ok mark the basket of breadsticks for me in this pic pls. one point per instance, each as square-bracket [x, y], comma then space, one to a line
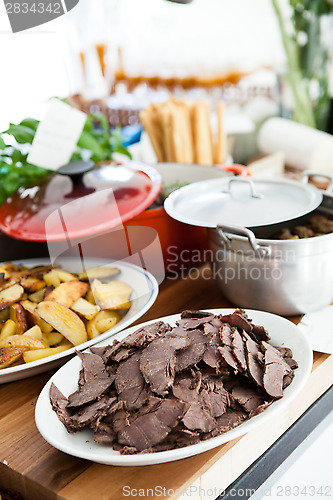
[180, 131]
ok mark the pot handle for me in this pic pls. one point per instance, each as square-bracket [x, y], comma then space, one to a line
[260, 250]
[250, 183]
[312, 173]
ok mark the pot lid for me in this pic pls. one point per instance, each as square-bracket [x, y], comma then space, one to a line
[242, 202]
[118, 192]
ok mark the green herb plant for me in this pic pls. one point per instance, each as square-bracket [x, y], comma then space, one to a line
[304, 36]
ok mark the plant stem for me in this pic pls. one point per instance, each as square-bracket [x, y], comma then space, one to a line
[303, 111]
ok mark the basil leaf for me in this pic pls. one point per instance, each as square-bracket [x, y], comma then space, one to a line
[3, 145]
[21, 134]
[87, 141]
[30, 123]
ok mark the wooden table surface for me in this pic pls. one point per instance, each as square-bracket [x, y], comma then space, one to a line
[34, 470]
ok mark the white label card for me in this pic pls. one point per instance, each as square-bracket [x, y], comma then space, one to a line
[57, 135]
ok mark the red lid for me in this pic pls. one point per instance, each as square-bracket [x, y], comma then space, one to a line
[104, 197]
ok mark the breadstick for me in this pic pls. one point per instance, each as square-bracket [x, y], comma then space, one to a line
[185, 129]
[165, 117]
[153, 129]
[221, 145]
[202, 136]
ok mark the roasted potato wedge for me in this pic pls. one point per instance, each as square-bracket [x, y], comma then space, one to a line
[37, 296]
[98, 273]
[7, 282]
[22, 341]
[65, 275]
[90, 297]
[52, 278]
[44, 353]
[112, 295]
[32, 284]
[9, 355]
[53, 338]
[8, 329]
[67, 293]
[34, 317]
[64, 321]
[4, 315]
[35, 332]
[10, 295]
[103, 321]
[85, 308]
[18, 314]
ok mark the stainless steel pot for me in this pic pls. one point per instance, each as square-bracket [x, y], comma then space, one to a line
[286, 277]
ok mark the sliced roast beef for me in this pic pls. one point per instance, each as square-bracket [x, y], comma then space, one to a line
[226, 422]
[215, 401]
[90, 392]
[162, 388]
[228, 356]
[237, 320]
[152, 428]
[130, 383]
[284, 351]
[89, 414]
[274, 372]
[104, 434]
[194, 352]
[254, 368]
[59, 404]
[191, 320]
[158, 361]
[249, 398]
[93, 366]
[238, 348]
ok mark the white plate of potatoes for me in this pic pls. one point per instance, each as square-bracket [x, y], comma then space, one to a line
[46, 313]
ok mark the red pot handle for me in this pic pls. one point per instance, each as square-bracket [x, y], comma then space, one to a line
[235, 169]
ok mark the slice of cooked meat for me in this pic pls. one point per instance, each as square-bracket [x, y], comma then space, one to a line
[89, 414]
[152, 428]
[90, 392]
[196, 314]
[238, 320]
[120, 419]
[228, 356]
[260, 408]
[92, 366]
[226, 333]
[192, 354]
[226, 422]
[141, 337]
[274, 372]
[59, 404]
[122, 354]
[247, 397]
[146, 334]
[130, 383]
[215, 401]
[104, 434]
[260, 332]
[191, 320]
[284, 351]
[254, 368]
[287, 379]
[157, 363]
[238, 348]
[292, 363]
[198, 418]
